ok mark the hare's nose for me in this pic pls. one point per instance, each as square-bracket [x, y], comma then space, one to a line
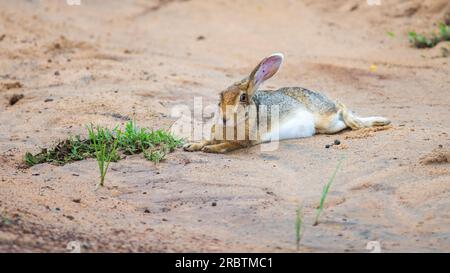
[224, 120]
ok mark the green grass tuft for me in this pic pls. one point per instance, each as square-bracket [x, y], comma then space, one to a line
[105, 146]
[156, 155]
[325, 191]
[4, 220]
[155, 144]
[422, 41]
[299, 226]
[134, 140]
[390, 34]
[69, 150]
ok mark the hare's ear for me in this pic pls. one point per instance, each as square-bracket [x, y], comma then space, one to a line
[265, 70]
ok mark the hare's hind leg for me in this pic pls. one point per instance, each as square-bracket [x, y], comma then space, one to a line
[331, 124]
[355, 122]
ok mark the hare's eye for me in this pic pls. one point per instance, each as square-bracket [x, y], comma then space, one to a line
[243, 98]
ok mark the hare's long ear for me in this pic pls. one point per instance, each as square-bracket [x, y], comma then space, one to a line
[264, 71]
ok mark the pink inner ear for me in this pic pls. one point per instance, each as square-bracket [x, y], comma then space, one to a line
[268, 68]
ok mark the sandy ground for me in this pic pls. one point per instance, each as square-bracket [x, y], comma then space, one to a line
[105, 61]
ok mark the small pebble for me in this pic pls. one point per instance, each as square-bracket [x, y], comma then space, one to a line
[15, 98]
[213, 204]
[337, 142]
[327, 146]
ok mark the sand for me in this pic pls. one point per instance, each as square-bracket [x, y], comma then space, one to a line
[107, 62]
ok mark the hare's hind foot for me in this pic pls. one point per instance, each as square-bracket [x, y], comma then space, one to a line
[207, 147]
[355, 122]
[374, 121]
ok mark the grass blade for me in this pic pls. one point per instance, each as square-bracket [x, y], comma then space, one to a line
[299, 226]
[325, 191]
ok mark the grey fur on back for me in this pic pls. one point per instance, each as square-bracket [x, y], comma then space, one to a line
[292, 98]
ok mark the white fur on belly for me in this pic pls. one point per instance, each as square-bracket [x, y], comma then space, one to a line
[300, 124]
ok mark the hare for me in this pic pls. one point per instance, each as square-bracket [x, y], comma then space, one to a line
[302, 112]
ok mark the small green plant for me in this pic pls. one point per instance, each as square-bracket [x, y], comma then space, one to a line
[325, 191]
[71, 149]
[422, 41]
[137, 140]
[105, 152]
[5, 221]
[444, 31]
[156, 155]
[390, 34]
[31, 160]
[299, 226]
[155, 144]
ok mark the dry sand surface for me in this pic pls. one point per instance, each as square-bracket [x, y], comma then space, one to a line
[107, 61]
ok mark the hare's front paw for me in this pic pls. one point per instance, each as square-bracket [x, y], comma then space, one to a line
[213, 149]
[193, 147]
[221, 148]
